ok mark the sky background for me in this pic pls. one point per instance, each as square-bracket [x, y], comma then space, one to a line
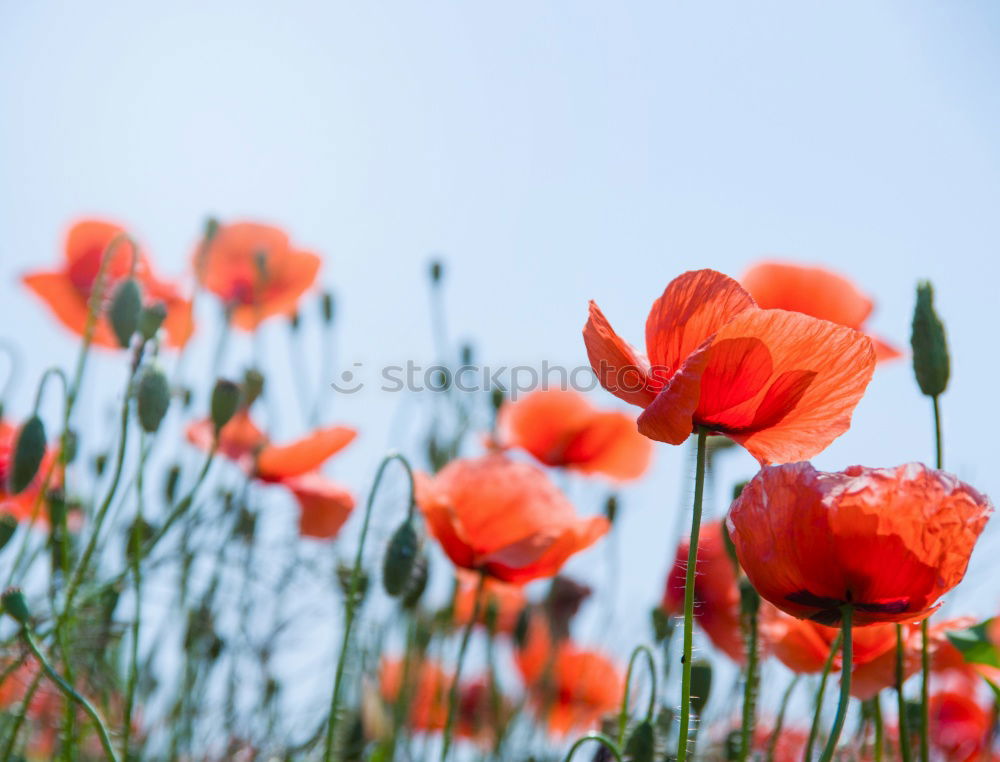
[549, 153]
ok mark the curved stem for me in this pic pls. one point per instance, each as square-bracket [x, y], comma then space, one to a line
[449, 726]
[814, 728]
[600, 738]
[352, 595]
[71, 693]
[692, 562]
[903, 720]
[651, 708]
[845, 684]
[779, 723]
[749, 689]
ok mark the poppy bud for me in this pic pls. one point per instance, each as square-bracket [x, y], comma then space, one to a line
[153, 398]
[326, 307]
[465, 354]
[225, 400]
[70, 445]
[56, 502]
[701, 684]
[662, 624]
[611, 508]
[15, 605]
[521, 627]
[253, 386]
[497, 397]
[150, 320]
[137, 534]
[8, 525]
[436, 271]
[641, 745]
[100, 463]
[418, 582]
[28, 453]
[749, 599]
[123, 312]
[399, 558]
[930, 347]
[170, 485]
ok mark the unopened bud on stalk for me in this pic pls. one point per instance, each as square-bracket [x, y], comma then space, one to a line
[521, 627]
[8, 525]
[327, 306]
[70, 445]
[225, 400]
[497, 398]
[153, 397]
[418, 582]
[253, 386]
[931, 364]
[611, 508]
[641, 745]
[150, 320]
[466, 354]
[100, 463]
[171, 482]
[123, 312]
[28, 453]
[15, 605]
[436, 271]
[701, 684]
[662, 626]
[400, 555]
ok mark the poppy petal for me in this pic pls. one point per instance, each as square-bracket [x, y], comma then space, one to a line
[68, 305]
[619, 368]
[809, 290]
[325, 505]
[276, 462]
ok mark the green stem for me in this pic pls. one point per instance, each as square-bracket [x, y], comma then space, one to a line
[352, 596]
[136, 566]
[876, 705]
[600, 738]
[845, 684]
[71, 693]
[692, 561]
[779, 723]
[651, 708]
[449, 726]
[904, 730]
[814, 728]
[925, 661]
[749, 690]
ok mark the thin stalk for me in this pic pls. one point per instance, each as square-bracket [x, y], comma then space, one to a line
[876, 705]
[624, 713]
[352, 596]
[600, 738]
[904, 729]
[136, 566]
[845, 684]
[749, 689]
[692, 561]
[814, 728]
[779, 723]
[925, 660]
[449, 726]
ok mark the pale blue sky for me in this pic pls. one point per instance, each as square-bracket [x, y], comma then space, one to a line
[553, 152]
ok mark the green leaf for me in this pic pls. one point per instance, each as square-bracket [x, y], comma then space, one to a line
[976, 646]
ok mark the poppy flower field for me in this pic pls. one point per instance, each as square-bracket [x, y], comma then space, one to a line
[151, 606]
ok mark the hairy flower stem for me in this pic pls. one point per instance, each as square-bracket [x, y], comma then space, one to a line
[749, 689]
[692, 562]
[845, 685]
[135, 563]
[351, 604]
[600, 738]
[814, 728]
[904, 729]
[925, 660]
[449, 726]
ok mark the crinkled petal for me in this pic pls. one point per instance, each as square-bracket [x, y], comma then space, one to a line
[619, 368]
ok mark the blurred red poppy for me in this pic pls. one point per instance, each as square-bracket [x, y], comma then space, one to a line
[255, 271]
[67, 290]
[561, 428]
[324, 505]
[790, 746]
[814, 291]
[890, 542]
[504, 518]
[716, 593]
[781, 384]
[959, 726]
[572, 688]
[505, 601]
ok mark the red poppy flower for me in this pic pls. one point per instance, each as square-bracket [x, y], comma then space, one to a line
[26, 505]
[504, 518]
[781, 384]
[959, 727]
[255, 271]
[561, 428]
[813, 291]
[572, 688]
[716, 592]
[888, 541]
[324, 504]
[67, 290]
[507, 601]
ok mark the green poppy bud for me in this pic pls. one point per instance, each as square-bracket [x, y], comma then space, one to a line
[100, 463]
[327, 307]
[417, 584]
[28, 453]
[8, 525]
[253, 386]
[662, 625]
[70, 445]
[497, 398]
[153, 397]
[171, 482]
[701, 684]
[400, 555]
[436, 271]
[150, 320]
[611, 508]
[123, 312]
[521, 627]
[930, 347]
[225, 401]
[641, 745]
[15, 605]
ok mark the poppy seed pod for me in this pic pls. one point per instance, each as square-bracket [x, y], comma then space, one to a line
[253, 386]
[225, 400]
[8, 525]
[641, 745]
[150, 319]
[930, 347]
[70, 444]
[400, 555]
[28, 453]
[417, 584]
[15, 605]
[153, 398]
[701, 685]
[123, 312]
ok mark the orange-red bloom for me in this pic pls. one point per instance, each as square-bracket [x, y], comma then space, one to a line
[781, 384]
[324, 505]
[561, 428]
[255, 271]
[813, 291]
[67, 290]
[959, 727]
[506, 601]
[716, 594]
[572, 688]
[504, 518]
[888, 541]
